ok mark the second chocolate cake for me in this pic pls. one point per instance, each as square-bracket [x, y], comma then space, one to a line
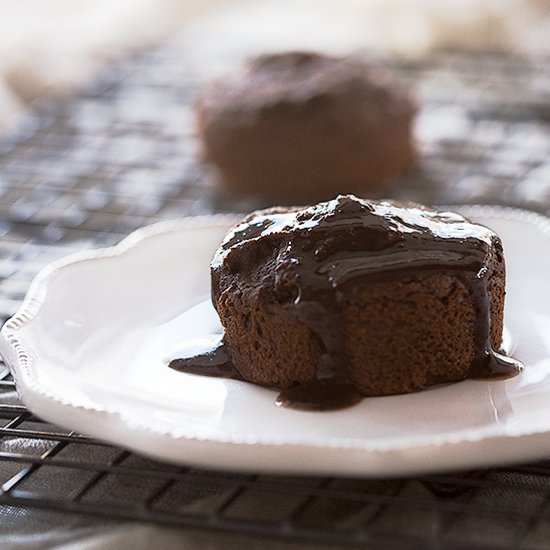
[306, 126]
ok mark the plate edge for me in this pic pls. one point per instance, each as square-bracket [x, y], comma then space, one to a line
[19, 357]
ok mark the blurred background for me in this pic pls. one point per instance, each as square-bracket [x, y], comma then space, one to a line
[53, 46]
[96, 99]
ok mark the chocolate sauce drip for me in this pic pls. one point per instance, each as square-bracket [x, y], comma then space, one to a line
[214, 361]
[496, 366]
[324, 249]
[319, 395]
[206, 358]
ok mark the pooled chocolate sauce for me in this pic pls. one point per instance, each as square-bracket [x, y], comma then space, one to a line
[324, 249]
[319, 395]
[214, 361]
[207, 357]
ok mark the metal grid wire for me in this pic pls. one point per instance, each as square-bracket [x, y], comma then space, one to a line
[86, 170]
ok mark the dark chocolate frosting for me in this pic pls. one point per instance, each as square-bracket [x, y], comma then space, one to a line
[323, 249]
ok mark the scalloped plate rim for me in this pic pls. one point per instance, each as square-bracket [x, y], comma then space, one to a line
[19, 356]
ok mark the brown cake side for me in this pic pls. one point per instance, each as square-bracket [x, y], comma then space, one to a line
[299, 125]
[401, 336]
[402, 331]
[404, 336]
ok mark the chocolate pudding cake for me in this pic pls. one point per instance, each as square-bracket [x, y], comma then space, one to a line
[301, 125]
[351, 298]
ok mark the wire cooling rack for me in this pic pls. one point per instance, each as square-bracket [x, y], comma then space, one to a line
[84, 171]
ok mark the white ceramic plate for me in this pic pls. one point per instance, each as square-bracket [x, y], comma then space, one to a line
[87, 350]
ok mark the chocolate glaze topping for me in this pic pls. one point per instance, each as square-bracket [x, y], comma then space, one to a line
[323, 249]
